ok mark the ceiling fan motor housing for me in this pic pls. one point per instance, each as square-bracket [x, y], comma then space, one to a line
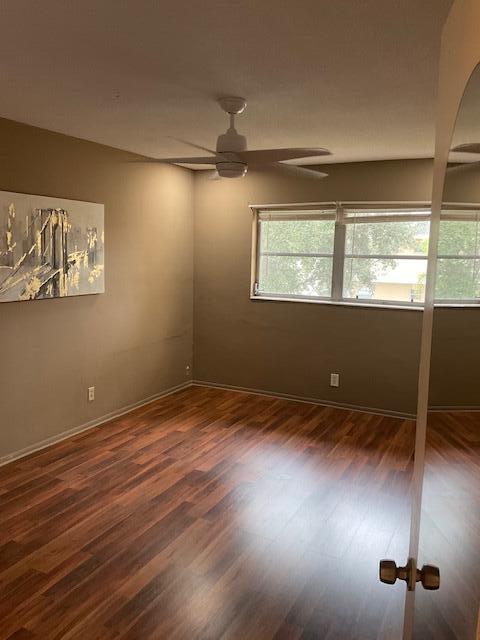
[231, 142]
[229, 164]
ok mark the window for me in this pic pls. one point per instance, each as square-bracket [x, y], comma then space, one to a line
[295, 253]
[458, 267]
[342, 252]
[385, 254]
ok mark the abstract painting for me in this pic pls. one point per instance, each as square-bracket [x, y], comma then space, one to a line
[49, 247]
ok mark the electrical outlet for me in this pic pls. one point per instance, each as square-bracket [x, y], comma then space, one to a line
[334, 379]
[188, 370]
[91, 394]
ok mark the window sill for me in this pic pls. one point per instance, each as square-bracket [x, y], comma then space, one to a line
[369, 305]
[342, 303]
[457, 305]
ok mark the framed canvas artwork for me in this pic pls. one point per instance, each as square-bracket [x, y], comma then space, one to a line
[50, 247]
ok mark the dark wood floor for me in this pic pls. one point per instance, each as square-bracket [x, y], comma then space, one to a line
[209, 514]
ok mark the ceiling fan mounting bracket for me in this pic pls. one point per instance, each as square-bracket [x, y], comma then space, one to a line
[232, 104]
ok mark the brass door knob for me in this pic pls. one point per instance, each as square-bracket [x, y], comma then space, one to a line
[428, 575]
[390, 573]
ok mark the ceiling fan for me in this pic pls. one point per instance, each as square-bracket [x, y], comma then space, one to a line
[231, 158]
[469, 147]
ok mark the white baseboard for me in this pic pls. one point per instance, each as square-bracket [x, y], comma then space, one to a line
[10, 457]
[288, 396]
[452, 408]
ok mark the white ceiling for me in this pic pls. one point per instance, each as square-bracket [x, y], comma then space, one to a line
[356, 76]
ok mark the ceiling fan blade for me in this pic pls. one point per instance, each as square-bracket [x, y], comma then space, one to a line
[192, 144]
[465, 166]
[470, 147]
[293, 170]
[206, 160]
[267, 156]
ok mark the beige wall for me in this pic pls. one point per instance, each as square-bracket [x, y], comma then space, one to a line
[131, 342]
[455, 365]
[292, 347]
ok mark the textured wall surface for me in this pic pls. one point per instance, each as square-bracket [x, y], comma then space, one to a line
[131, 342]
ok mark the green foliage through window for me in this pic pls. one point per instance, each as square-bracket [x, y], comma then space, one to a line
[301, 273]
[458, 267]
[374, 267]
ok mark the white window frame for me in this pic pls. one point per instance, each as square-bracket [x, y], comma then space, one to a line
[341, 222]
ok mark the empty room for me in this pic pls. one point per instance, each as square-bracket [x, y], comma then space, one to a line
[239, 320]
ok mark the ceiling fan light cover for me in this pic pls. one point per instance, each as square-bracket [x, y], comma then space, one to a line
[231, 169]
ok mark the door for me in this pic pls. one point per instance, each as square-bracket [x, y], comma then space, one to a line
[450, 511]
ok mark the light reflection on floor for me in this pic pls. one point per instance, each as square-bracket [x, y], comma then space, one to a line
[302, 532]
